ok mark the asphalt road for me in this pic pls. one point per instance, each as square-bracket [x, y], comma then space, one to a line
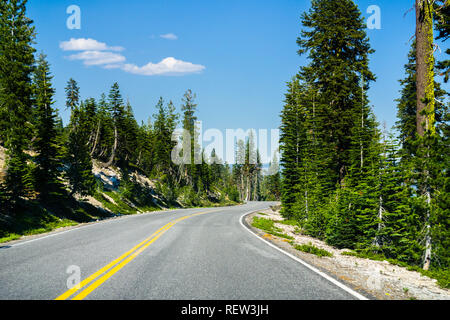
[186, 254]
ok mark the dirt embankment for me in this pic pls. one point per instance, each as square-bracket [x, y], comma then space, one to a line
[380, 279]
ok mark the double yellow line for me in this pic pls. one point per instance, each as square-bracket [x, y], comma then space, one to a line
[118, 263]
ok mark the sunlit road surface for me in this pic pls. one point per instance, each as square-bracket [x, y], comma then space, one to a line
[199, 254]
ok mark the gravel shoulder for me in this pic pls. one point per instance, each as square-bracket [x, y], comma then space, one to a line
[379, 280]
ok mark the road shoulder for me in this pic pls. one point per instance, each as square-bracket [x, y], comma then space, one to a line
[373, 279]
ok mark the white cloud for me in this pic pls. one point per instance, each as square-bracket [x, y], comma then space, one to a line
[95, 58]
[112, 66]
[169, 36]
[82, 44]
[168, 66]
[95, 53]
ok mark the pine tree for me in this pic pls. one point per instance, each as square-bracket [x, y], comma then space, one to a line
[406, 107]
[16, 67]
[92, 124]
[290, 144]
[48, 159]
[216, 168]
[399, 224]
[441, 219]
[118, 153]
[272, 181]
[145, 159]
[337, 45]
[328, 132]
[426, 116]
[238, 168]
[103, 148]
[421, 158]
[189, 124]
[72, 94]
[78, 157]
[131, 132]
[163, 128]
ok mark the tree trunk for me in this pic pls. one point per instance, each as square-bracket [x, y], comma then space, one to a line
[242, 186]
[425, 98]
[377, 240]
[362, 125]
[424, 66]
[248, 187]
[96, 139]
[306, 204]
[113, 153]
[427, 255]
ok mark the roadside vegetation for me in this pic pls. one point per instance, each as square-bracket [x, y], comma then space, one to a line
[309, 248]
[349, 181]
[268, 226]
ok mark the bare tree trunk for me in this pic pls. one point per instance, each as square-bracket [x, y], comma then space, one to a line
[425, 99]
[362, 124]
[96, 139]
[427, 255]
[377, 240]
[306, 203]
[247, 189]
[242, 187]
[114, 150]
[139, 158]
[255, 192]
[424, 66]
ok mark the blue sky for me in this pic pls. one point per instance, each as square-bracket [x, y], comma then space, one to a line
[235, 55]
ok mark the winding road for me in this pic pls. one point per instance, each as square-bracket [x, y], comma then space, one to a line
[185, 254]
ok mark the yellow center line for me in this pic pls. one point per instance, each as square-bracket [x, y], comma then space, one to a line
[131, 254]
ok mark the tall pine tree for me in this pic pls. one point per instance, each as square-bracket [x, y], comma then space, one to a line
[79, 161]
[47, 142]
[16, 67]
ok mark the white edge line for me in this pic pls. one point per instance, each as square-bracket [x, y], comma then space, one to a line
[324, 275]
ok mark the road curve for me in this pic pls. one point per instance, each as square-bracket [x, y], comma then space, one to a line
[186, 254]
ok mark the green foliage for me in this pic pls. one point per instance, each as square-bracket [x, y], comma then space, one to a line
[189, 197]
[17, 64]
[270, 184]
[268, 226]
[189, 125]
[47, 142]
[441, 275]
[78, 157]
[309, 248]
[289, 222]
[366, 254]
[342, 229]
[343, 180]
[163, 128]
